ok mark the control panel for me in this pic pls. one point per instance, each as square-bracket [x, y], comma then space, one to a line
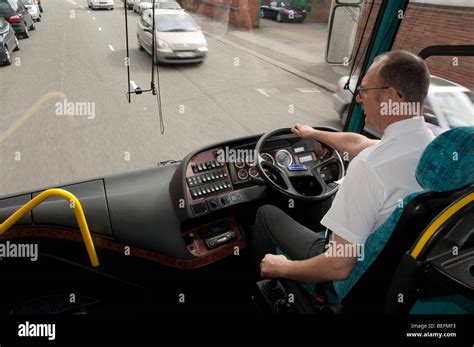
[209, 184]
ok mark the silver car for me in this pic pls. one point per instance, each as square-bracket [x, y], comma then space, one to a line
[447, 105]
[94, 4]
[178, 38]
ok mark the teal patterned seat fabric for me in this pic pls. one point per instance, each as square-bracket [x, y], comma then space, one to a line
[446, 164]
[372, 248]
[448, 161]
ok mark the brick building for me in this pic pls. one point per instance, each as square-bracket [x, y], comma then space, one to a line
[434, 22]
[244, 13]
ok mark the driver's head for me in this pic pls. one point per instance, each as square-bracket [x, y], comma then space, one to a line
[399, 77]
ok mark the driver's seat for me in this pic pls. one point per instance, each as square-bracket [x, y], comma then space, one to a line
[446, 173]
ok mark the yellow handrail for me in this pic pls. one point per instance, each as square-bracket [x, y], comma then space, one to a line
[78, 212]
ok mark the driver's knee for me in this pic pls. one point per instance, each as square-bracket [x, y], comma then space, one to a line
[266, 216]
[261, 240]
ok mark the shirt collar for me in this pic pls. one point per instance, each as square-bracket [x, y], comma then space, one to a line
[404, 126]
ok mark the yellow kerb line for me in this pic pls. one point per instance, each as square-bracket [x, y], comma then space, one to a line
[455, 207]
[78, 212]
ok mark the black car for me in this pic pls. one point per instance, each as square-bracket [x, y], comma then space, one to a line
[282, 11]
[8, 42]
[18, 16]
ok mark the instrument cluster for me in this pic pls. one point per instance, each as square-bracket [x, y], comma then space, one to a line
[246, 169]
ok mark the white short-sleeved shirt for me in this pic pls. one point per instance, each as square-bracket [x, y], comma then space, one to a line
[377, 179]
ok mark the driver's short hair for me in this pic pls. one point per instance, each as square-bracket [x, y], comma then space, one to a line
[407, 73]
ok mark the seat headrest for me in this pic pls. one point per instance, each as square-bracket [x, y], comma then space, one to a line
[448, 161]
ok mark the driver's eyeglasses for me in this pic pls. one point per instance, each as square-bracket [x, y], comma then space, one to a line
[360, 90]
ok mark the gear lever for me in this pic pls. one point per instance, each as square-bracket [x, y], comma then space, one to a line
[273, 289]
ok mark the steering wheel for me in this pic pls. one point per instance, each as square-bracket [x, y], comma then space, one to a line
[310, 170]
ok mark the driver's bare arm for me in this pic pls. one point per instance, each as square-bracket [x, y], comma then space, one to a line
[322, 268]
[352, 143]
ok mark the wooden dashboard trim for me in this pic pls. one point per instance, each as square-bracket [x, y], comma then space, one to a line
[100, 242]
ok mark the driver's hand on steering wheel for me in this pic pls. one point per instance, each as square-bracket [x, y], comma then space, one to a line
[303, 131]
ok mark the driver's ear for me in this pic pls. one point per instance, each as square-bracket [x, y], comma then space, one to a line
[394, 95]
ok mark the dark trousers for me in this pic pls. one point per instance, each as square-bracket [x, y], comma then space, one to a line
[274, 228]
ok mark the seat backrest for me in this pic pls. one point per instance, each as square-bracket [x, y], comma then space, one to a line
[445, 171]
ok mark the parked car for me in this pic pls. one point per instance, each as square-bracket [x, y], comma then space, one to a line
[18, 16]
[40, 6]
[33, 8]
[447, 105]
[8, 42]
[95, 4]
[282, 11]
[178, 38]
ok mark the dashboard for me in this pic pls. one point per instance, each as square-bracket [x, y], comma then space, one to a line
[223, 176]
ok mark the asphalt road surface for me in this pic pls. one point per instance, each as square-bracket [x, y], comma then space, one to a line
[77, 57]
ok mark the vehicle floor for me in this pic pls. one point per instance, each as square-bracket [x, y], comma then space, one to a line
[62, 281]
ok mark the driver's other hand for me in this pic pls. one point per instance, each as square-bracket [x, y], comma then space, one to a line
[303, 131]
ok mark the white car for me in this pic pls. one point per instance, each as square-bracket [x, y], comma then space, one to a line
[107, 4]
[178, 39]
[33, 8]
[447, 105]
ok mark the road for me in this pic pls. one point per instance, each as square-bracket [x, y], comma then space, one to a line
[77, 55]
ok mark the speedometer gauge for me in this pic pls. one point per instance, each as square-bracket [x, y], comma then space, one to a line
[283, 158]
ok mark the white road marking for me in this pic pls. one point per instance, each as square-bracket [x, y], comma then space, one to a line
[100, 29]
[111, 48]
[267, 91]
[88, 11]
[93, 18]
[82, 7]
[308, 90]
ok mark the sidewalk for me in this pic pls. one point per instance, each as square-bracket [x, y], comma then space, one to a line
[296, 47]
